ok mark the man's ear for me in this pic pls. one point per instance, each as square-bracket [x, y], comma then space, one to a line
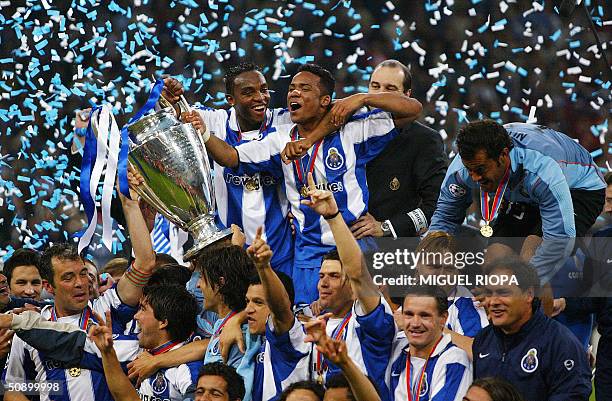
[230, 99]
[326, 101]
[163, 324]
[48, 287]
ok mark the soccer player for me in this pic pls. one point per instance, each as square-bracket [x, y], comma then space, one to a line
[552, 188]
[360, 316]
[240, 196]
[220, 382]
[337, 161]
[68, 280]
[465, 316]
[429, 365]
[23, 274]
[284, 355]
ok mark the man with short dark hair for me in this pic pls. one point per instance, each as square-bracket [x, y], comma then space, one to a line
[404, 180]
[23, 274]
[68, 280]
[538, 355]
[337, 161]
[239, 195]
[428, 365]
[219, 381]
[534, 183]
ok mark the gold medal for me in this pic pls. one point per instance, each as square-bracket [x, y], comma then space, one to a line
[320, 379]
[486, 231]
[74, 372]
[304, 191]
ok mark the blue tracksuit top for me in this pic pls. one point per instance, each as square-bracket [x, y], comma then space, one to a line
[544, 166]
[543, 360]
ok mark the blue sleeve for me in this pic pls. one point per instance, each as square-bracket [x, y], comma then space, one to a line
[283, 350]
[261, 156]
[62, 346]
[370, 133]
[469, 318]
[552, 193]
[454, 199]
[570, 375]
[121, 316]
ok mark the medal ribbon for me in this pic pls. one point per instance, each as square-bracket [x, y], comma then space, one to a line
[489, 215]
[225, 319]
[164, 347]
[298, 163]
[262, 128]
[83, 320]
[409, 374]
[337, 333]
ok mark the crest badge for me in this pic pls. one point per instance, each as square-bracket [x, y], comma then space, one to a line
[334, 160]
[74, 372]
[159, 384]
[394, 184]
[529, 362]
[424, 386]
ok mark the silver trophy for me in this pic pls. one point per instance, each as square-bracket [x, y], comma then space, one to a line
[173, 161]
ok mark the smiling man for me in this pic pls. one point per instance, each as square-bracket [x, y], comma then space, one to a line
[538, 355]
[429, 367]
[337, 161]
[240, 196]
[23, 274]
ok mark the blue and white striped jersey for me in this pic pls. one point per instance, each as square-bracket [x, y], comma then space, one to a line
[339, 166]
[26, 363]
[250, 200]
[465, 316]
[173, 384]
[544, 166]
[369, 342]
[447, 376]
[282, 360]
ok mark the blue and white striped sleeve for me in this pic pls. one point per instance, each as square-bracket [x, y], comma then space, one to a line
[369, 132]
[287, 348]
[454, 199]
[262, 156]
[452, 376]
[215, 120]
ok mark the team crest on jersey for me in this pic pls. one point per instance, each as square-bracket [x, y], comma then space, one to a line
[457, 190]
[159, 384]
[530, 362]
[424, 386]
[215, 348]
[260, 357]
[569, 364]
[334, 160]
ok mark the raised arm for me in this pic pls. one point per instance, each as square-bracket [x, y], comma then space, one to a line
[130, 289]
[276, 295]
[118, 383]
[404, 109]
[324, 204]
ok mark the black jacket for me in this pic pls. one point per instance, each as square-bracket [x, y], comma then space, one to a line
[544, 361]
[404, 180]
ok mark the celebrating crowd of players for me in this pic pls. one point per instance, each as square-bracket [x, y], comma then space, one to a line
[287, 308]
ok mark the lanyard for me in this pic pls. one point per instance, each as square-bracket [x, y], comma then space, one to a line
[337, 334]
[489, 215]
[302, 177]
[262, 127]
[164, 347]
[225, 319]
[409, 374]
[83, 320]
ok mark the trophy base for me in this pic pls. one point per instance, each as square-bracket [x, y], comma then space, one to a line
[200, 245]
